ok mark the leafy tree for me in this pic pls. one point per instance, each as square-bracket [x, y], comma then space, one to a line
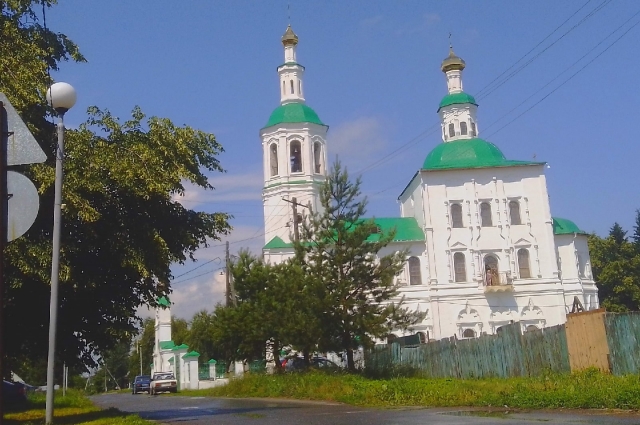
[201, 336]
[618, 235]
[179, 330]
[341, 250]
[616, 271]
[143, 345]
[122, 228]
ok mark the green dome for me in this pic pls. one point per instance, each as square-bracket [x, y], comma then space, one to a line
[456, 98]
[562, 226]
[468, 153]
[293, 112]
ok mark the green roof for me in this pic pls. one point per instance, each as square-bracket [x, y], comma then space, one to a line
[292, 113]
[212, 361]
[164, 301]
[562, 226]
[191, 354]
[455, 99]
[468, 153]
[407, 229]
[171, 360]
[277, 243]
[180, 347]
[166, 345]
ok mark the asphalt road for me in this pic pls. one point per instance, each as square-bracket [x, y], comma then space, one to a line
[200, 410]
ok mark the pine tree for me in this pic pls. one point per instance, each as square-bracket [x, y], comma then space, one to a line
[618, 235]
[636, 232]
[355, 287]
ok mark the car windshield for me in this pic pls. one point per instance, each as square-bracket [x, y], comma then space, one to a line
[163, 376]
[143, 378]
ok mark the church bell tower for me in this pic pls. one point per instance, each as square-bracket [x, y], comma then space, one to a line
[294, 151]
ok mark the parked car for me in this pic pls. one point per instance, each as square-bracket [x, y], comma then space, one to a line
[141, 383]
[296, 364]
[163, 382]
[13, 394]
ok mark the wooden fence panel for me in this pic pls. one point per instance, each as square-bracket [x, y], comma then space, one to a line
[587, 340]
[623, 338]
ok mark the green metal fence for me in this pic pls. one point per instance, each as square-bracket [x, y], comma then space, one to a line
[623, 338]
[509, 353]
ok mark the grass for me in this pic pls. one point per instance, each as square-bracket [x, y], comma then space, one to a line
[590, 389]
[75, 408]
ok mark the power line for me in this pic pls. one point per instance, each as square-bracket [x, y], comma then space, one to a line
[562, 73]
[198, 275]
[568, 79]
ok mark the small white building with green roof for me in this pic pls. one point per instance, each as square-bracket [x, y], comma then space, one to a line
[484, 249]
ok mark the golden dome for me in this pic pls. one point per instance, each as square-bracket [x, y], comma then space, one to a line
[452, 62]
[289, 38]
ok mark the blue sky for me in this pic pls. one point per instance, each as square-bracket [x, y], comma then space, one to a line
[373, 75]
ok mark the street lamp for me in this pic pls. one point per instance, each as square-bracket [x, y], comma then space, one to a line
[62, 97]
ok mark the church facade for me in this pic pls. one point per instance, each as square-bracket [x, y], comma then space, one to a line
[484, 249]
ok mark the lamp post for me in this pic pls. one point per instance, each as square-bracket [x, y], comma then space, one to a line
[62, 97]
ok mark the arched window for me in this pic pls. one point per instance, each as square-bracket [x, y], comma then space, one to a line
[463, 128]
[532, 328]
[414, 271]
[473, 129]
[581, 265]
[491, 271]
[456, 215]
[283, 88]
[424, 337]
[485, 215]
[459, 267]
[452, 130]
[317, 157]
[300, 87]
[514, 212]
[273, 160]
[499, 330]
[296, 157]
[469, 333]
[523, 263]
[291, 81]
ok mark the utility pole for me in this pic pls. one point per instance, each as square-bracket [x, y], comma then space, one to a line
[294, 206]
[140, 354]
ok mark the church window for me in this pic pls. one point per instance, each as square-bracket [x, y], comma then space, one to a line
[491, 276]
[424, 337]
[296, 157]
[317, 157]
[283, 88]
[469, 333]
[291, 81]
[473, 129]
[581, 265]
[459, 267]
[485, 215]
[452, 130]
[456, 215]
[273, 160]
[463, 128]
[514, 212]
[523, 263]
[414, 271]
[300, 87]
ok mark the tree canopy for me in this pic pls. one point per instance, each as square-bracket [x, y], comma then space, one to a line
[615, 262]
[122, 227]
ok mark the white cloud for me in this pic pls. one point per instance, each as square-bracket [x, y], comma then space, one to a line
[201, 285]
[228, 187]
[428, 20]
[370, 22]
[357, 142]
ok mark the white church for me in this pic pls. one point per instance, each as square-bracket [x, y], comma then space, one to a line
[484, 249]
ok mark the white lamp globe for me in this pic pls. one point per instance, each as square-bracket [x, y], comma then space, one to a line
[61, 96]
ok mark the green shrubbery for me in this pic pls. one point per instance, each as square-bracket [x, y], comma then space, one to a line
[587, 389]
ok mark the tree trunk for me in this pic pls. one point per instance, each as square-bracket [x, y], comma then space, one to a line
[307, 357]
[275, 350]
